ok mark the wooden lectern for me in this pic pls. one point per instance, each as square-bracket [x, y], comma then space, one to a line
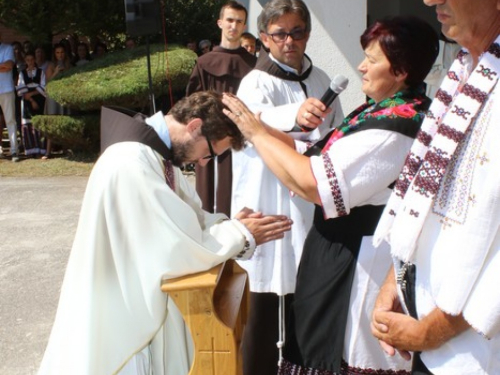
[214, 305]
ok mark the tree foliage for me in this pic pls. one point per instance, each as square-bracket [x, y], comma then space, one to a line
[104, 19]
[41, 20]
[192, 19]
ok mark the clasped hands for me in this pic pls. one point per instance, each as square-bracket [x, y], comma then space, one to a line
[264, 228]
[389, 322]
[398, 332]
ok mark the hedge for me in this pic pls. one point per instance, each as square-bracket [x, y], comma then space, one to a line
[119, 78]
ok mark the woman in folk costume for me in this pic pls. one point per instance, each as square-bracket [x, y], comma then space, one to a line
[31, 88]
[349, 177]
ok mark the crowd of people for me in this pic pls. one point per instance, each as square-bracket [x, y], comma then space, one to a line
[26, 69]
[371, 239]
[247, 40]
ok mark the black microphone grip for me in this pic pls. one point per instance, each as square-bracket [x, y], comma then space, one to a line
[328, 97]
[338, 84]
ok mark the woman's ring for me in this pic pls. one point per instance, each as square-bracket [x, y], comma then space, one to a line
[237, 113]
[304, 115]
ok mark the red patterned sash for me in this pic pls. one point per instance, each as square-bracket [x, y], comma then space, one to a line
[455, 107]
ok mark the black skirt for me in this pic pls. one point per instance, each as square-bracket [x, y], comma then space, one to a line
[317, 321]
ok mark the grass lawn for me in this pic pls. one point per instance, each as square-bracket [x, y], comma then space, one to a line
[58, 165]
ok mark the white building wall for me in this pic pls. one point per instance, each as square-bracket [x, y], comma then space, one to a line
[334, 42]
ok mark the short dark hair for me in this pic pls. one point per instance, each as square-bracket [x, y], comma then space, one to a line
[29, 53]
[233, 5]
[410, 44]
[274, 9]
[208, 106]
[247, 35]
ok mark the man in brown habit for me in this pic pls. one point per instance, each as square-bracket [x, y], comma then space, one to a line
[221, 70]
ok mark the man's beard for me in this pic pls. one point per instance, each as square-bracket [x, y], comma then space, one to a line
[180, 152]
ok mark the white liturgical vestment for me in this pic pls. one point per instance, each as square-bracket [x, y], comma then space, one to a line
[133, 230]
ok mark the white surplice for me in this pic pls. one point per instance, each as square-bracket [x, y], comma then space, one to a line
[274, 265]
[133, 229]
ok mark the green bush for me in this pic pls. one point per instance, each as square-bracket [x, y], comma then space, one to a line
[120, 79]
[78, 133]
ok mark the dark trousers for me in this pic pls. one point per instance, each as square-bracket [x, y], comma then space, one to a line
[418, 367]
[260, 353]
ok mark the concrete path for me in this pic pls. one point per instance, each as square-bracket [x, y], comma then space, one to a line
[38, 218]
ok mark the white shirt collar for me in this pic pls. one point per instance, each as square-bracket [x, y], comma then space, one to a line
[305, 65]
[157, 122]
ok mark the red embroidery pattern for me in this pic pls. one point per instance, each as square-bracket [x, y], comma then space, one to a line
[349, 370]
[430, 173]
[334, 186]
[450, 133]
[461, 54]
[486, 72]
[444, 97]
[453, 76]
[475, 93]
[288, 368]
[441, 151]
[460, 112]
[414, 213]
[424, 138]
[495, 50]
[409, 170]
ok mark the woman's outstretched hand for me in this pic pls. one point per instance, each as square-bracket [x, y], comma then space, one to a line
[248, 122]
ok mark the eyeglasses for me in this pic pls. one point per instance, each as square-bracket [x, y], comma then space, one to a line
[282, 36]
[212, 155]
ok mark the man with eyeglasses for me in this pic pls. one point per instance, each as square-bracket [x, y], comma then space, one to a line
[221, 70]
[140, 220]
[283, 85]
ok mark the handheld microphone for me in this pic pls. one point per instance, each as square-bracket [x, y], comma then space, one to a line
[338, 84]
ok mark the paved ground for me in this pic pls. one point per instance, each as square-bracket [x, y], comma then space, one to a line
[38, 218]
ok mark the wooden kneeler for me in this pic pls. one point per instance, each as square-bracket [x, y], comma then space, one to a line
[214, 305]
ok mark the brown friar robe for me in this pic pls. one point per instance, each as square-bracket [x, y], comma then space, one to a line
[220, 70]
